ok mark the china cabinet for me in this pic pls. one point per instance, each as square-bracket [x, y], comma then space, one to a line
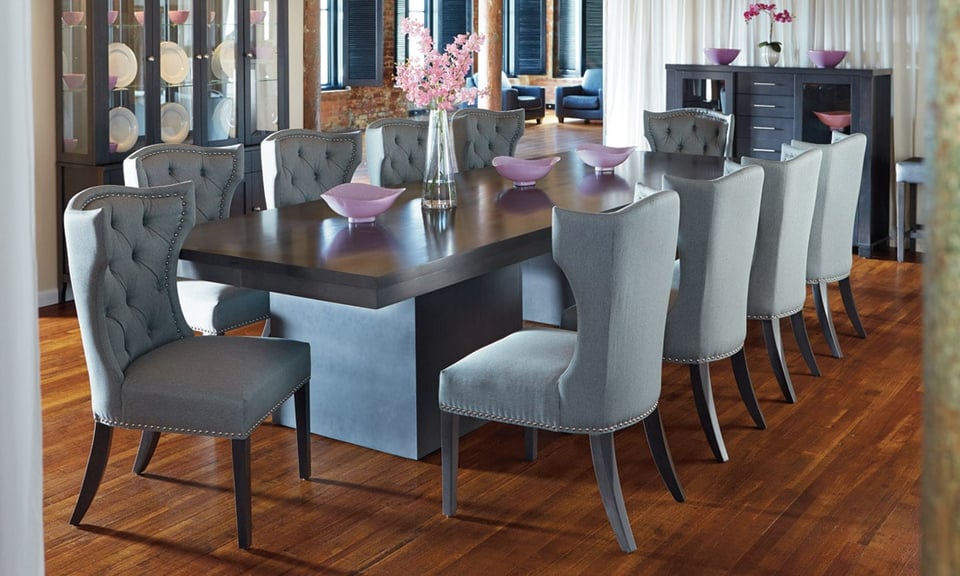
[137, 72]
[773, 105]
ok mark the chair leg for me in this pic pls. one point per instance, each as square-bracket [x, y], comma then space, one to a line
[148, 445]
[771, 337]
[96, 466]
[826, 319]
[846, 292]
[745, 385]
[301, 408]
[449, 459]
[803, 341]
[530, 443]
[657, 440]
[242, 492]
[608, 480]
[703, 398]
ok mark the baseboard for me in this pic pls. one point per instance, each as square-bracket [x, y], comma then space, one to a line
[50, 297]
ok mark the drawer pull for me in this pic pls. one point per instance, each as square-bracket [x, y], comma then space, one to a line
[764, 150]
[764, 105]
[764, 83]
[764, 127]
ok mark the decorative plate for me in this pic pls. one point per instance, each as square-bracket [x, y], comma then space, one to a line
[124, 130]
[174, 123]
[174, 63]
[224, 61]
[122, 63]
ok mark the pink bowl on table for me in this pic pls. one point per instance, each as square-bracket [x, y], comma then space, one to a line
[523, 172]
[178, 16]
[257, 16]
[835, 120]
[360, 202]
[826, 58]
[603, 158]
[71, 18]
[721, 56]
[74, 81]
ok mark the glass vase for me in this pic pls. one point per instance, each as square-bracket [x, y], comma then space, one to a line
[770, 56]
[439, 185]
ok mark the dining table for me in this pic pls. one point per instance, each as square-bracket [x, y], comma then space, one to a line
[387, 305]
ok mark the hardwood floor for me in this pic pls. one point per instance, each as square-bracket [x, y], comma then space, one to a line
[831, 487]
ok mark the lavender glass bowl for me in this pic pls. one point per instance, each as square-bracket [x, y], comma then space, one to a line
[826, 58]
[524, 172]
[360, 202]
[603, 158]
[721, 56]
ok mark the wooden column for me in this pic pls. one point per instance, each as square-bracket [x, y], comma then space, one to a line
[490, 59]
[312, 87]
[940, 507]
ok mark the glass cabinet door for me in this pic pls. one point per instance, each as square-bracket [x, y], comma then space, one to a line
[826, 108]
[221, 92]
[75, 78]
[176, 50]
[127, 75]
[262, 63]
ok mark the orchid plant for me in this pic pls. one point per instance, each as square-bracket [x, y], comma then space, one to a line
[435, 79]
[754, 10]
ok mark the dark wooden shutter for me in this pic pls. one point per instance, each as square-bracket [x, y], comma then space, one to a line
[527, 36]
[451, 17]
[363, 42]
[592, 34]
[402, 42]
[567, 34]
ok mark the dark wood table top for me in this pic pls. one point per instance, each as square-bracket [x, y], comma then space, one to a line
[308, 250]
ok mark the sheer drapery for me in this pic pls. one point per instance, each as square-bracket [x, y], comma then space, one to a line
[876, 34]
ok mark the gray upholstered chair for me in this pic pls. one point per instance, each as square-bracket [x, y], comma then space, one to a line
[210, 307]
[583, 100]
[147, 370]
[300, 165]
[689, 131]
[778, 274]
[708, 319]
[396, 150]
[605, 376]
[480, 135]
[830, 254]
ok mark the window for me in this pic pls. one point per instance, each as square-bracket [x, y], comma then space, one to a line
[579, 37]
[352, 54]
[445, 18]
[524, 37]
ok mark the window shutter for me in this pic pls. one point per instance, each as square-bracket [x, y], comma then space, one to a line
[527, 35]
[592, 34]
[567, 22]
[402, 42]
[452, 17]
[363, 42]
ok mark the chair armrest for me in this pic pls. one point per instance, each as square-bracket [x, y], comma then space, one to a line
[535, 91]
[510, 99]
[562, 91]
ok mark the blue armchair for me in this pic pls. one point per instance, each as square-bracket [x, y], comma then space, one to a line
[531, 99]
[584, 100]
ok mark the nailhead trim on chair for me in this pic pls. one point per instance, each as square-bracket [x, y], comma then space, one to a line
[238, 325]
[531, 423]
[707, 359]
[202, 432]
[775, 316]
[831, 279]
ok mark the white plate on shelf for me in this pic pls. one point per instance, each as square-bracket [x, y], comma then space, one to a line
[174, 123]
[174, 63]
[122, 63]
[224, 122]
[124, 130]
[224, 61]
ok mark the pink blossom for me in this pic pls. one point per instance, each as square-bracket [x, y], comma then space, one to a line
[435, 79]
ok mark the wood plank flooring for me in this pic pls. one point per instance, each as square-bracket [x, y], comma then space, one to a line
[831, 487]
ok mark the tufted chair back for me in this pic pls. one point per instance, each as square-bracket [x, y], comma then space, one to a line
[123, 245]
[396, 150]
[689, 131]
[300, 165]
[215, 173]
[480, 135]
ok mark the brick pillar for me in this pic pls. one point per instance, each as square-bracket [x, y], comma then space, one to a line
[490, 59]
[311, 64]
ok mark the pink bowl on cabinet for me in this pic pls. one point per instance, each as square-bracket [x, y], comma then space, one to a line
[826, 58]
[112, 16]
[523, 172]
[178, 16]
[112, 147]
[360, 202]
[74, 81]
[70, 144]
[71, 18]
[721, 56]
[835, 120]
[257, 16]
[603, 158]
[138, 15]
[111, 82]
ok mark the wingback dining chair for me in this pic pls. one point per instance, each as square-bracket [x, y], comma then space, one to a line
[147, 370]
[829, 255]
[778, 274]
[599, 379]
[210, 307]
[708, 319]
[480, 135]
[689, 131]
[300, 165]
[396, 150]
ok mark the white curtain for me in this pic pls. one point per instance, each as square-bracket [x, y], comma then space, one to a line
[876, 34]
[21, 473]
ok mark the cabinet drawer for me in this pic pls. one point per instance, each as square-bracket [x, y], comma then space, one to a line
[767, 146]
[760, 83]
[764, 127]
[763, 105]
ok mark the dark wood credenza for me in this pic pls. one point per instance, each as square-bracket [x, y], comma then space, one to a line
[773, 105]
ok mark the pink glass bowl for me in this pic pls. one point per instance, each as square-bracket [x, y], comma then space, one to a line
[112, 147]
[360, 202]
[523, 172]
[111, 82]
[826, 58]
[178, 16]
[138, 15]
[721, 56]
[71, 18]
[74, 81]
[835, 120]
[603, 158]
[70, 144]
[112, 16]
[257, 16]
